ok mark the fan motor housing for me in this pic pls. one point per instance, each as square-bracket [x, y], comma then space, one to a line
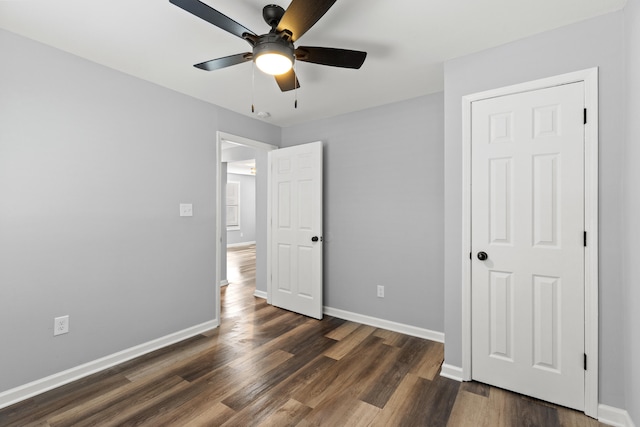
[273, 43]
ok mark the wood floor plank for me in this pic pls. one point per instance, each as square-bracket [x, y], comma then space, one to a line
[263, 407]
[391, 338]
[49, 404]
[214, 415]
[270, 367]
[342, 331]
[476, 387]
[420, 402]
[351, 341]
[204, 392]
[289, 339]
[302, 342]
[348, 373]
[39, 423]
[115, 406]
[259, 362]
[439, 400]
[361, 415]
[289, 414]
[431, 361]
[343, 410]
[571, 418]
[274, 328]
[399, 402]
[407, 358]
[162, 358]
[533, 413]
[247, 395]
[308, 374]
[205, 362]
[500, 403]
[469, 409]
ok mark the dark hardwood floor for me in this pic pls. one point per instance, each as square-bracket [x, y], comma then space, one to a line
[269, 367]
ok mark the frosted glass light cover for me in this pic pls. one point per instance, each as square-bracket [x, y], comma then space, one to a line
[273, 63]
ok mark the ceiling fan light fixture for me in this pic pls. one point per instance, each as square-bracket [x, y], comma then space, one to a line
[273, 63]
[273, 55]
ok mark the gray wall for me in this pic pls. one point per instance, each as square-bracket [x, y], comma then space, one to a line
[383, 206]
[247, 231]
[93, 166]
[631, 266]
[596, 42]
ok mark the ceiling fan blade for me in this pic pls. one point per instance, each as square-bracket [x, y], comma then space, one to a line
[331, 56]
[302, 14]
[226, 61]
[287, 81]
[212, 16]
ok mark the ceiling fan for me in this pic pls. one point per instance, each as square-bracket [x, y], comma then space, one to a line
[274, 53]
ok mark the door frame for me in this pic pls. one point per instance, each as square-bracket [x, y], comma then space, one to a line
[590, 79]
[224, 136]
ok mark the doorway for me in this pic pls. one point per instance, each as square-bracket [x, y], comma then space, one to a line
[238, 216]
[243, 149]
[502, 123]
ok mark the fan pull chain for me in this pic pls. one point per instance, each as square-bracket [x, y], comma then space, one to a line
[295, 85]
[253, 86]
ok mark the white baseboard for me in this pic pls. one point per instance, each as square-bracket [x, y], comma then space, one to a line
[235, 245]
[385, 324]
[614, 416]
[18, 394]
[260, 294]
[224, 282]
[451, 372]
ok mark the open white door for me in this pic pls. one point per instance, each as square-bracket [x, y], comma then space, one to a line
[296, 228]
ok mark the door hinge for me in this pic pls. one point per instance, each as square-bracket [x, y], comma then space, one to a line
[470, 255]
[585, 239]
[585, 361]
[585, 116]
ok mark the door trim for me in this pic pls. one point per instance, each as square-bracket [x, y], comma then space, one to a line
[590, 79]
[223, 136]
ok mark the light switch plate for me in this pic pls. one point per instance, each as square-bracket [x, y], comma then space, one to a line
[186, 209]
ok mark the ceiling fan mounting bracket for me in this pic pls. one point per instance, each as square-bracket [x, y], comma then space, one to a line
[272, 14]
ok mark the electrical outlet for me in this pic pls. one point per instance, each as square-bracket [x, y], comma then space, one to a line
[60, 325]
[380, 291]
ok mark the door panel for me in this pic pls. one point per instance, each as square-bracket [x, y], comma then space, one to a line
[501, 315]
[527, 207]
[296, 202]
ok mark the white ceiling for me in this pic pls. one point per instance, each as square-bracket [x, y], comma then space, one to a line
[406, 40]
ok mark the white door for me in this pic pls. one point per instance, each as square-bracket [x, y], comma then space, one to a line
[527, 208]
[296, 228]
